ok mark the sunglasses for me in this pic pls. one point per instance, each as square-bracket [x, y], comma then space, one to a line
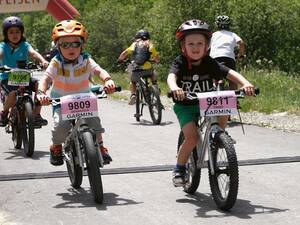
[67, 45]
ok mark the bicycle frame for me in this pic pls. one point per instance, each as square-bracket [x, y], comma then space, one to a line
[211, 126]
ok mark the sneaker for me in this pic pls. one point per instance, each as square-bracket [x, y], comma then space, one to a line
[56, 158]
[132, 99]
[39, 120]
[3, 118]
[179, 177]
[106, 157]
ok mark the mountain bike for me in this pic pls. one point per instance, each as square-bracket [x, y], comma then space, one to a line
[148, 95]
[215, 148]
[80, 149]
[21, 123]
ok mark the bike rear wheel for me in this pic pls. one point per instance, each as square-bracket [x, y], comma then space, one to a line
[155, 106]
[138, 104]
[193, 173]
[73, 167]
[225, 181]
[92, 163]
[28, 128]
[16, 128]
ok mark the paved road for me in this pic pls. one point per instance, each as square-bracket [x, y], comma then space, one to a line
[268, 193]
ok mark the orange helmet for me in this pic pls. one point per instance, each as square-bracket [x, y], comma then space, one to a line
[68, 28]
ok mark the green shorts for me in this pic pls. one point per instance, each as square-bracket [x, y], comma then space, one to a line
[186, 113]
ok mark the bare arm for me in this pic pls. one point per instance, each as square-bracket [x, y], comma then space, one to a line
[123, 56]
[242, 48]
[177, 91]
[106, 78]
[38, 57]
[241, 80]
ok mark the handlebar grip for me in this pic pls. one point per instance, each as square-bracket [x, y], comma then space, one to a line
[118, 88]
[256, 91]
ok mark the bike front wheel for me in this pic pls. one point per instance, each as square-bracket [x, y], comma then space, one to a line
[92, 163]
[73, 167]
[193, 172]
[155, 106]
[16, 128]
[225, 180]
[28, 128]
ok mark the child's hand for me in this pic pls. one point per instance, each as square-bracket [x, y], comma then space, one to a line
[178, 94]
[43, 98]
[248, 89]
[109, 86]
[45, 64]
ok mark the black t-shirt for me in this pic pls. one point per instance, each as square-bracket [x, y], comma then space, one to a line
[200, 77]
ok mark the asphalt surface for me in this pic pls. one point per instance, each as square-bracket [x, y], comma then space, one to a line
[137, 184]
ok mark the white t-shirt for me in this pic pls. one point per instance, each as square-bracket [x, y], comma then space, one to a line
[223, 43]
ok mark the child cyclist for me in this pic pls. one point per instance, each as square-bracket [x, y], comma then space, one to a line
[69, 73]
[194, 71]
[14, 52]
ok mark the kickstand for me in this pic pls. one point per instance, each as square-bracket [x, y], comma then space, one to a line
[241, 122]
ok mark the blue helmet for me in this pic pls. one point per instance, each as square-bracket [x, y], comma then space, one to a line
[12, 21]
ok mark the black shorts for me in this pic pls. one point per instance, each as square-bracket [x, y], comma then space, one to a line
[8, 88]
[226, 61]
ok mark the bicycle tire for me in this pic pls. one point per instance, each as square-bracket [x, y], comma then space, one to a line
[28, 128]
[193, 173]
[92, 163]
[73, 168]
[16, 129]
[138, 107]
[224, 183]
[155, 106]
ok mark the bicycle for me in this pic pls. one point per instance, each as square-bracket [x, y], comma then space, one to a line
[80, 149]
[21, 123]
[216, 145]
[148, 95]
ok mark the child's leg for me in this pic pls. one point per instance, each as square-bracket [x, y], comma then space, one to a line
[10, 101]
[191, 138]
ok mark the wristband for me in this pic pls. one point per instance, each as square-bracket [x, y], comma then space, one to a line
[107, 79]
[41, 92]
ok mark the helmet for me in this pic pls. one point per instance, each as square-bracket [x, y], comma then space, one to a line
[143, 34]
[12, 21]
[223, 22]
[68, 28]
[193, 26]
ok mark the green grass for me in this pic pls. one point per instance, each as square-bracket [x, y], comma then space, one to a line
[279, 92]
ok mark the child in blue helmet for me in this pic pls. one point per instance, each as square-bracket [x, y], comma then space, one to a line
[14, 52]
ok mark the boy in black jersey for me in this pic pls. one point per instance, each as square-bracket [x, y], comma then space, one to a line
[194, 71]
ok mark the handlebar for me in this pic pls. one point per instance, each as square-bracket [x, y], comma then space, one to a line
[98, 90]
[239, 93]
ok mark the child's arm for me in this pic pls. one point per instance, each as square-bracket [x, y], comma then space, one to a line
[106, 78]
[241, 80]
[38, 57]
[43, 87]
[177, 91]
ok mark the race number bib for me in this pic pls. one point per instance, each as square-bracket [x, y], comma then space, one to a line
[19, 78]
[82, 105]
[217, 103]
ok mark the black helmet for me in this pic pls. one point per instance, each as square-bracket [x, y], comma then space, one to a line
[223, 22]
[193, 26]
[143, 34]
[12, 21]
